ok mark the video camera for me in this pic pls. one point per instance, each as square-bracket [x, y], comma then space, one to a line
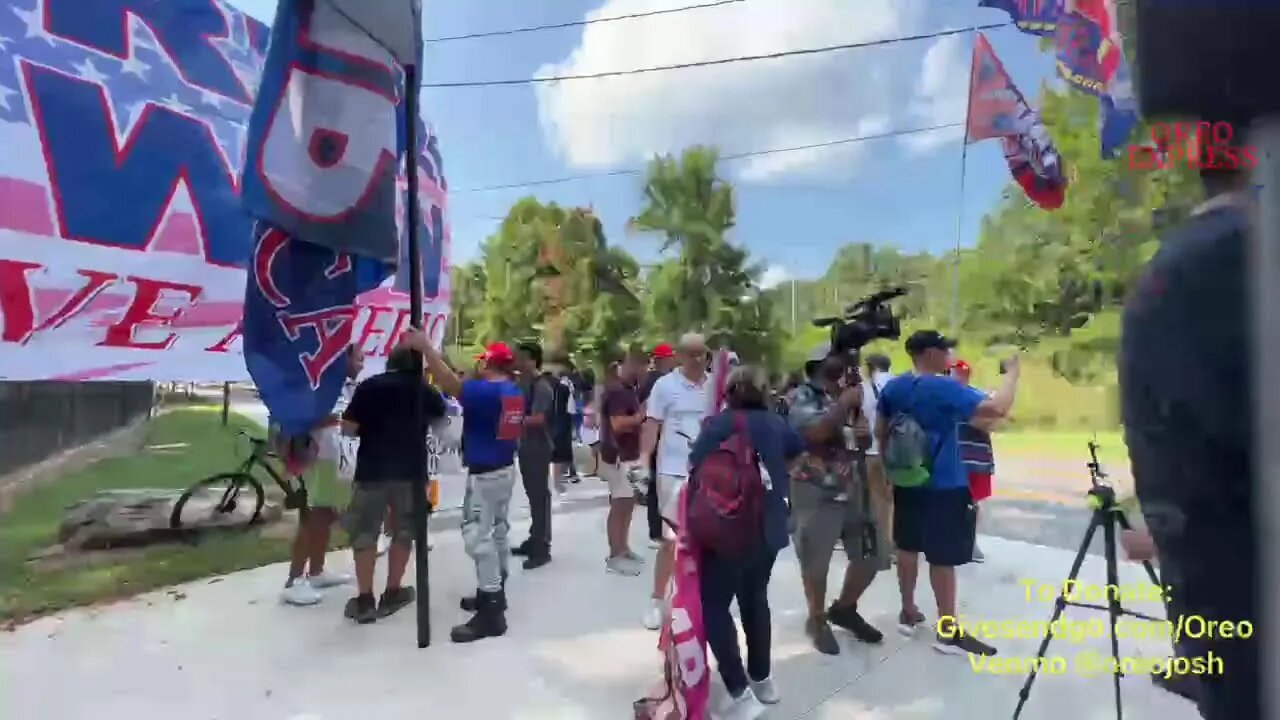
[868, 319]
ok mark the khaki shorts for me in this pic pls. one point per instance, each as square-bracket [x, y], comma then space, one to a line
[369, 503]
[818, 522]
[616, 476]
[669, 487]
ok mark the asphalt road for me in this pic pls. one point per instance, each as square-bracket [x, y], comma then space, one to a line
[1043, 501]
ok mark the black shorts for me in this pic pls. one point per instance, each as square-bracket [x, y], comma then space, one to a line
[562, 446]
[941, 523]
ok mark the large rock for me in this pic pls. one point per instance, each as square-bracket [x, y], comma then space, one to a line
[136, 517]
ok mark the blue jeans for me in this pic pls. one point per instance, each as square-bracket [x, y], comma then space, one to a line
[747, 580]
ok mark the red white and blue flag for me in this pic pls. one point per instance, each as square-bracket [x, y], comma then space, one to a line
[1090, 57]
[1037, 17]
[324, 153]
[998, 110]
[123, 237]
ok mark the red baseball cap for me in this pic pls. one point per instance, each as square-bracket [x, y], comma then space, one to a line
[497, 353]
[664, 351]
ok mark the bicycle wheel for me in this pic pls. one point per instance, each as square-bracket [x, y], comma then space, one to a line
[223, 500]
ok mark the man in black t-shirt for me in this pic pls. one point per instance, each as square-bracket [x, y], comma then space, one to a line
[387, 465]
[663, 361]
[535, 454]
[561, 424]
[1186, 397]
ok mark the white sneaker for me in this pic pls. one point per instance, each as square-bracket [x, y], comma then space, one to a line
[744, 707]
[653, 616]
[622, 566]
[635, 558]
[766, 691]
[300, 592]
[655, 544]
[328, 579]
[384, 544]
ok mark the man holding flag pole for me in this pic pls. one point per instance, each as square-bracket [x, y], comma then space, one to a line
[335, 123]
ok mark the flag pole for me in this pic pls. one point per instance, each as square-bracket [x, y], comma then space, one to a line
[422, 570]
[964, 156]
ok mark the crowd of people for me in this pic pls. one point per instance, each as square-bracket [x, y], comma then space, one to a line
[883, 468]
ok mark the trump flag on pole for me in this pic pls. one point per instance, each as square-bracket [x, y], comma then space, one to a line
[997, 109]
[325, 150]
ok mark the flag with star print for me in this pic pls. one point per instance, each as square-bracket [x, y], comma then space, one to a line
[124, 240]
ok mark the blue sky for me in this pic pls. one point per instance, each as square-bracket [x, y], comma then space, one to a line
[794, 209]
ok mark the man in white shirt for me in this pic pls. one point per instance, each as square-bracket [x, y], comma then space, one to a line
[676, 407]
[877, 376]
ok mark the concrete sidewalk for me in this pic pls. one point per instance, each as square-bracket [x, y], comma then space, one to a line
[225, 649]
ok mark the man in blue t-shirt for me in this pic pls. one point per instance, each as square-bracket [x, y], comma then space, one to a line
[492, 419]
[938, 517]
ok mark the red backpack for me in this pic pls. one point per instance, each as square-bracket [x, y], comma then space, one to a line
[726, 496]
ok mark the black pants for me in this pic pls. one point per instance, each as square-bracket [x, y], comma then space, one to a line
[535, 470]
[651, 507]
[748, 581]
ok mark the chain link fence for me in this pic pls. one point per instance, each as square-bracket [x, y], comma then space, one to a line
[42, 418]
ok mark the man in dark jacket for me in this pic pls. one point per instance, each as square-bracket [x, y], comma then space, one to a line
[1186, 397]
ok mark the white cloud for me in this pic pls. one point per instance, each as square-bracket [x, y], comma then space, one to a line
[941, 92]
[774, 276]
[739, 107]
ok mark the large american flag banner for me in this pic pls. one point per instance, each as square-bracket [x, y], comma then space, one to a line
[123, 239]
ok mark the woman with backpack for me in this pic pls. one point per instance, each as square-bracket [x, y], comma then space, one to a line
[755, 536]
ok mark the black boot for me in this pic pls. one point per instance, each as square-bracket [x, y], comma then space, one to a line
[490, 620]
[470, 605]
[537, 556]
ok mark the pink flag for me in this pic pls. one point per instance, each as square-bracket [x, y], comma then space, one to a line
[722, 361]
[684, 691]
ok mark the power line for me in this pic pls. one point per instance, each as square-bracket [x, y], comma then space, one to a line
[721, 61]
[579, 23]
[725, 158]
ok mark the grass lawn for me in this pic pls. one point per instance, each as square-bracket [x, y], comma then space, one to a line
[26, 590]
[1060, 445]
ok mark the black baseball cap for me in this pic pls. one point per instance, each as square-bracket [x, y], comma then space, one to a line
[922, 340]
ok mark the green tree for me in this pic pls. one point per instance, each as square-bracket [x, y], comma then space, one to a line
[550, 275]
[710, 285]
[466, 304]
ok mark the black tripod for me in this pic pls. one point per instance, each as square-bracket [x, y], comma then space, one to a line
[1106, 514]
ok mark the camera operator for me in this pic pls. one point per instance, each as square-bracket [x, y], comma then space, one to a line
[933, 511]
[1186, 403]
[831, 500]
